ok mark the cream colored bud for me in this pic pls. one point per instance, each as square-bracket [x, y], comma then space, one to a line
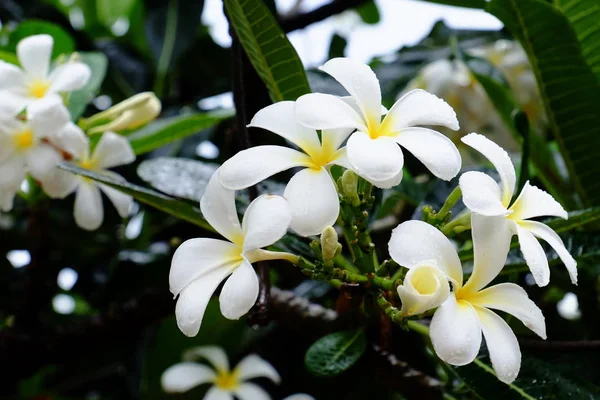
[329, 243]
[425, 287]
[129, 114]
[350, 187]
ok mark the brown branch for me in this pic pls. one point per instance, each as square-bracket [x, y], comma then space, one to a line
[328, 10]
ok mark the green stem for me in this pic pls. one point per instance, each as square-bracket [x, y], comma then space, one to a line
[463, 221]
[167, 49]
[450, 202]
[418, 327]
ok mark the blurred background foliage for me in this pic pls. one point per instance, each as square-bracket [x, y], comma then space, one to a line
[103, 325]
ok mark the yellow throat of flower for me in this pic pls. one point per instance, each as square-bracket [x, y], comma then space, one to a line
[24, 140]
[38, 88]
[88, 164]
[424, 281]
[227, 381]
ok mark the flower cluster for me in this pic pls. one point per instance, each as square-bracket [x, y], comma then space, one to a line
[37, 134]
[226, 383]
[360, 135]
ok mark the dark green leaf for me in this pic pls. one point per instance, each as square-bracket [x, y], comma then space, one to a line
[461, 3]
[63, 43]
[9, 57]
[577, 219]
[333, 354]
[269, 49]
[337, 46]
[369, 13]
[79, 99]
[176, 208]
[570, 90]
[169, 130]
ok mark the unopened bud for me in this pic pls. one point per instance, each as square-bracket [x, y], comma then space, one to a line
[329, 243]
[129, 114]
[350, 187]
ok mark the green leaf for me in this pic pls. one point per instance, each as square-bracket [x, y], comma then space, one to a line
[109, 11]
[269, 49]
[168, 130]
[570, 90]
[176, 208]
[63, 43]
[369, 12]
[79, 99]
[461, 3]
[333, 354]
[9, 57]
[577, 219]
[337, 47]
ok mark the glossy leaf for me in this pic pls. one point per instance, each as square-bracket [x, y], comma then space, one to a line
[369, 13]
[79, 99]
[333, 354]
[268, 48]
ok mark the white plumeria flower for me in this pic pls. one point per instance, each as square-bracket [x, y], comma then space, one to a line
[226, 383]
[458, 323]
[483, 196]
[35, 81]
[27, 146]
[200, 265]
[300, 396]
[311, 213]
[111, 151]
[425, 287]
[373, 150]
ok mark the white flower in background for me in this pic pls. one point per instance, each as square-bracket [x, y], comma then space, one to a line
[373, 151]
[483, 196]
[225, 383]
[26, 146]
[311, 213]
[458, 324]
[200, 265]
[299, 396]
[425, 287]
[35, 81]
[111, 151]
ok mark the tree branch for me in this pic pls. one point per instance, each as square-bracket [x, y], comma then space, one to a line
[303, 20]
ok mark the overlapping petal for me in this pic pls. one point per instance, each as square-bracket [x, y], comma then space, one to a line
[218, 207]
[377, 160]
[239, 292]
[42, 161]
[215, 355]
[47, 117]
[419, 107]
[88, 210]
[534, 256]
[120, 200]
[253, 366]
[180, 378]
[34, 53]
[534, 202]
[251, 391]
[215, 393]
[112, 151]
[424, 287]
[325, 111]
[481, 194]
[266, 220]
[69, 77]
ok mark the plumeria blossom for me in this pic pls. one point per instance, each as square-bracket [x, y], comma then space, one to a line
[225, 382]
[372, 150]
[26, 146]
[35, 81]
[311, 213]
[425, 287]
[200, 265]
[111, 151]
[458, 323]
[483, 196]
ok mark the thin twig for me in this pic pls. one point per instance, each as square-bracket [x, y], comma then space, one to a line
[321, 13]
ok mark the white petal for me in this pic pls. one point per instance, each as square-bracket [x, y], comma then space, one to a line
[280, 118]
[311, 213]
[251, 391]
[120, 200]
[300, 396]
[112, 151]
[15, 97]
[376, 159]
[61, 184]
[253, 366]
[71, 139]
[544, 232]
[194, 298]
[341, 159]
[325, 111]
[214, 354]
[7, 198]
[218, 207]
[512, 299]
[424, 287]
[455, 332]
[433, 149]
[214, 393]
[419, 107]
[502, 345]
[333, 139]
[414, 242]
[491, 243]
[48, 116]
[266, 220]
[88, 210]
[534, 256]
[534, 202]
[34, 53]
[499, 158]
[182, 377]
[360, 81]
[12, 172]
[11, 78]
[239, 292]
[69, 77]
[481, 194]
[42, 161]
[197, 257]
[248, 167]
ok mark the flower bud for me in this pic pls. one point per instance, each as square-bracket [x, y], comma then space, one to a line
[329, 243]
[350, 187]
[128, 114]
[425, 287]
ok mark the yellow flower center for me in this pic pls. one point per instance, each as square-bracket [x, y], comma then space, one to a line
[424, 281]
[24, 140]
[38, 88]
[227, 381]
[88, 164]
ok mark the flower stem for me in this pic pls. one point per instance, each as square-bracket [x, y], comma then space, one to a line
[418, 327]
[450, 202]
